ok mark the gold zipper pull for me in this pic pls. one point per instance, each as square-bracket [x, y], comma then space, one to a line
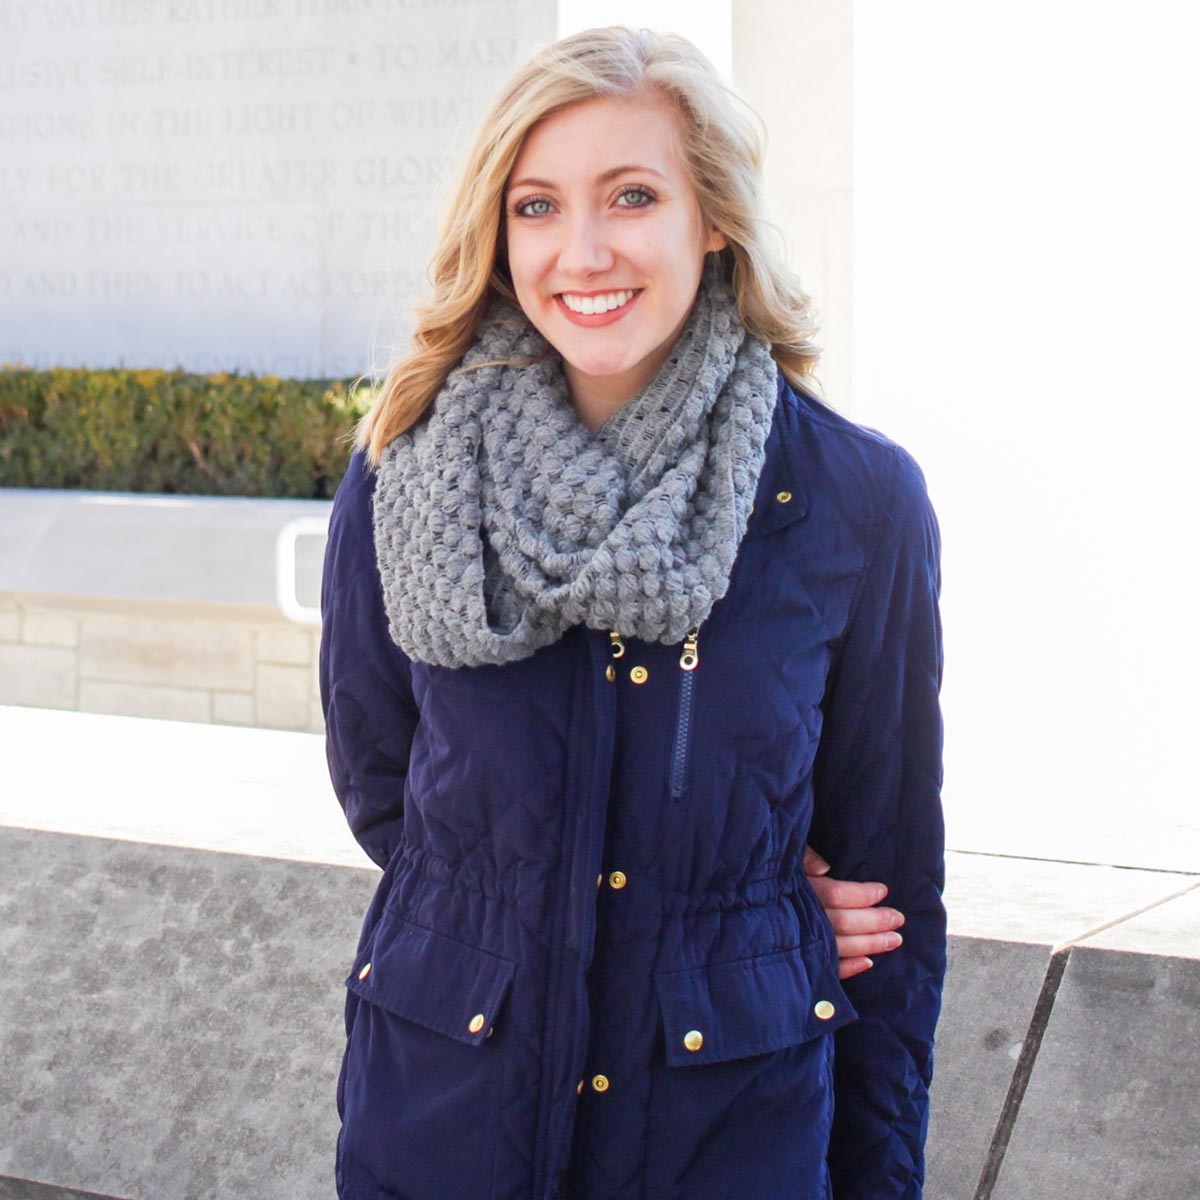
[618, 646]
[689, 660]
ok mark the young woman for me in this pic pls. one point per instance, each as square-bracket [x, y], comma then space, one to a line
[617, 618]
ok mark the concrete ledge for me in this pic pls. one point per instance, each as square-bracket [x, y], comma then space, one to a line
[1060, 1061]
[1057, 904]
[238, 791]
[991, 989]
[1111, 1106]
[176, 1034]
[197, 549]
[175, 1031]
[172, 1029]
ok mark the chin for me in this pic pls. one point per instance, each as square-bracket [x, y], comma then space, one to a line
[599, 367]
[599, 360]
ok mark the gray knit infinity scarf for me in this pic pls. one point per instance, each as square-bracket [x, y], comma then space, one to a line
[501, 522]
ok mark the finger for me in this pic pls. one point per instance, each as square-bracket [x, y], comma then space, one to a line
[814, 864]
[845, 893]
[849, 967]
[874, 943]
[864, 920]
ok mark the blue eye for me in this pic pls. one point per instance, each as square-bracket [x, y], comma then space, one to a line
[642, 197]
[535, 206]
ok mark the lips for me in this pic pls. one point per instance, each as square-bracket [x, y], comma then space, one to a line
[592, 303]
[597, 308]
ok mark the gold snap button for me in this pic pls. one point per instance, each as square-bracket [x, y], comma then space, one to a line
[365, 971]
[600, 1083]
[617, 880]
[783, 497]
[610, 673]
[600, 879]
[491, 1031]
[477, 1022]
[693, 1039]
[751, 512]
[579, 1088]
[824, 1009]
[639, 674]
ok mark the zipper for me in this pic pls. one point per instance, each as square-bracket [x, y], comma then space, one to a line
[574, 925]
[689, 660]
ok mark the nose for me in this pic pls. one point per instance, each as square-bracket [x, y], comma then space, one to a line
[585, 249]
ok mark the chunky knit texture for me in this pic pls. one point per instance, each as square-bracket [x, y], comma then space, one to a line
[501, 522]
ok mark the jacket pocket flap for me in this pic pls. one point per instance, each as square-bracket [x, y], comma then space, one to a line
[432, 979]
[750, 1006]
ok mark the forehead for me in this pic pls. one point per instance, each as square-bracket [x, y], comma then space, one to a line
[586, 139]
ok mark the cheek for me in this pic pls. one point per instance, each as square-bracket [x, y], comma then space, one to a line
[521, 256]
[648, 247]
[515, 253]
[678, 255]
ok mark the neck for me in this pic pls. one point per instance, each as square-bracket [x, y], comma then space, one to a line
[596, 398]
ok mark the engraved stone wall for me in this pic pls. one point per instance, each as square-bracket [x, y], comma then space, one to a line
[233, 184]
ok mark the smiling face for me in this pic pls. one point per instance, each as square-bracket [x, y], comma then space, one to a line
[606, 242]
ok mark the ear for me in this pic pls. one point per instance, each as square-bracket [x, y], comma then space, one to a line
[716, 240]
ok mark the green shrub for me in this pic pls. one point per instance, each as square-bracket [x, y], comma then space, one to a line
[169, 431]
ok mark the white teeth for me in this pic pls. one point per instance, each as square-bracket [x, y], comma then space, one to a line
[596, 304]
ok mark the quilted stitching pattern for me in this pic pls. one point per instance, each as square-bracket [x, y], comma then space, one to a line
[494, 796]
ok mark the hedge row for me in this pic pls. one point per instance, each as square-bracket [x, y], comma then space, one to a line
[169, 431]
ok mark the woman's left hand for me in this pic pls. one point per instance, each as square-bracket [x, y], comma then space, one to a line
[861, 928]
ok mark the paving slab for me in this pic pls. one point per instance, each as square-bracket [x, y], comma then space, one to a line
[1113, 1106]
[1047, 903]
[1171, 928]
[1165, 835]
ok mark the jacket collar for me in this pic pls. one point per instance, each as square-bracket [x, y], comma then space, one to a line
[780, 498]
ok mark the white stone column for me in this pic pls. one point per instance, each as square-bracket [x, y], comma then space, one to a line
[793, 61]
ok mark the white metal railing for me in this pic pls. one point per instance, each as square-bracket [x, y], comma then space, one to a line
[285, 568]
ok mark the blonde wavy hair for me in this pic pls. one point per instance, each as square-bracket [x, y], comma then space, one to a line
[722, 146]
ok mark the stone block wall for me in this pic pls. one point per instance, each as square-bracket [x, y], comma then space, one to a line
[224, 664]
[160, 606]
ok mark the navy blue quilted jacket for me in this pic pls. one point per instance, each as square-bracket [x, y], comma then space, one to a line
[593, 968]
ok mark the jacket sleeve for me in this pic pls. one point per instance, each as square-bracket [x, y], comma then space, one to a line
[366, 679]
[878, 817]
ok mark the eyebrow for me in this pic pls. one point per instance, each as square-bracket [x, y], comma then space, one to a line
[612, 173]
